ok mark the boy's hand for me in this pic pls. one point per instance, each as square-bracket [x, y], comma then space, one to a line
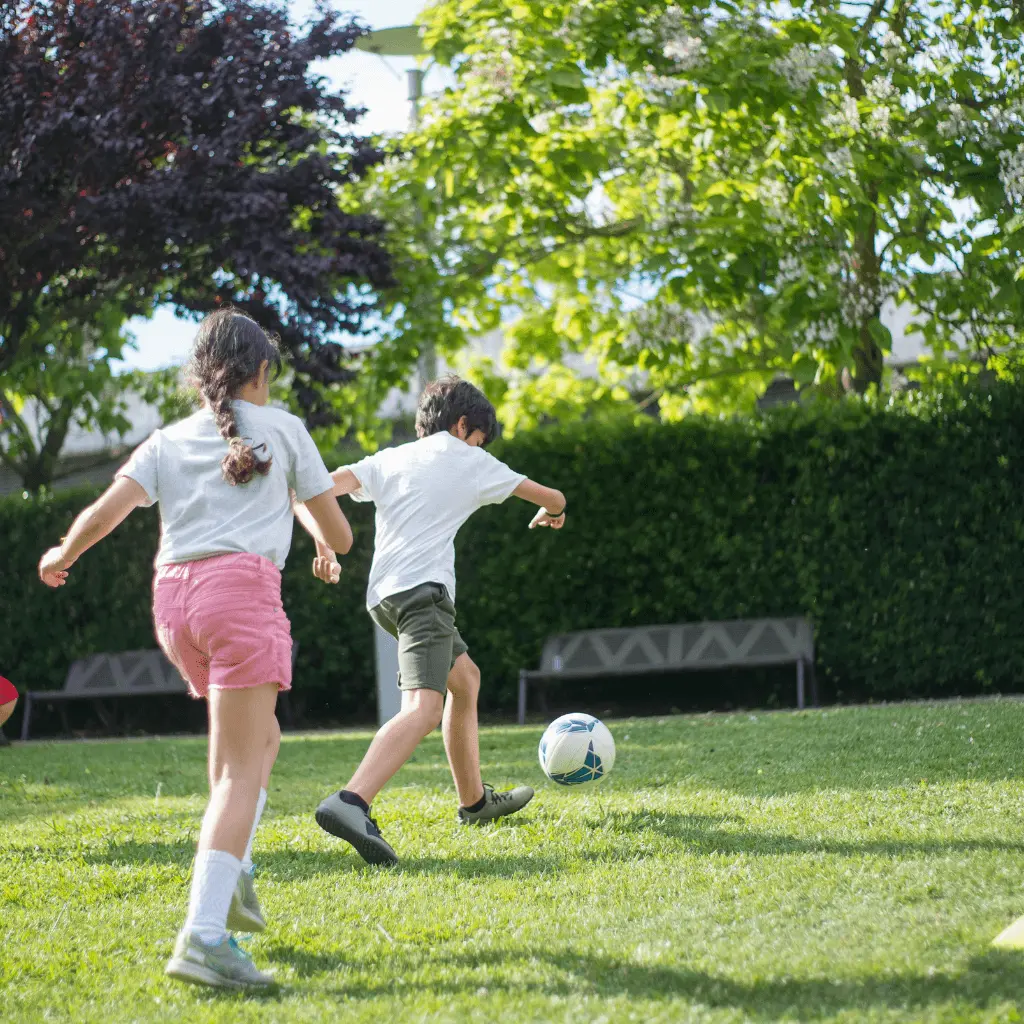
[326, 569]
[53, 568]
[545, 518]
[325, 565]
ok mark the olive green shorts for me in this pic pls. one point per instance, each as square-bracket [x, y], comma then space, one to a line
[423, 622]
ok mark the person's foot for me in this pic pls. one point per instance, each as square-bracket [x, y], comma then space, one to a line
[355, 826]
[244, 914]
[221, 965]
[496, 805]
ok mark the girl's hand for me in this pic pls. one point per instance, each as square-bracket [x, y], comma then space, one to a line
[545, 518]
[53, 568]
[326, 567]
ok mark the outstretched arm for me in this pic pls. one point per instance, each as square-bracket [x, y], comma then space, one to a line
[106, 513]
[552, 504]
[345, 481]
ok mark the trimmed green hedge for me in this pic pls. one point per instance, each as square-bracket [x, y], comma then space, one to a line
[898, 531]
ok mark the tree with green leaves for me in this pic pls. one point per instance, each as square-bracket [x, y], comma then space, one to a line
[706, 195]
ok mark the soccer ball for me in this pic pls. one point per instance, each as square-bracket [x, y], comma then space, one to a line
[576, 748]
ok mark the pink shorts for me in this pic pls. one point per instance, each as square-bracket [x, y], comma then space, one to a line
[221, 622]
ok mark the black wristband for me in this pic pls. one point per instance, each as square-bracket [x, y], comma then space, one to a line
[555, 515]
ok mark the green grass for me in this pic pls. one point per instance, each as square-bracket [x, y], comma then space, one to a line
[840, 865]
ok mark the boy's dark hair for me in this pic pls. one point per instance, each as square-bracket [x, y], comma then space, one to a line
[228, 352]
[445, 401]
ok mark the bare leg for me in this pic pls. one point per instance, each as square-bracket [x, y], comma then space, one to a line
[461, 732]
[240, 723]
[273, 748]
[395, 741]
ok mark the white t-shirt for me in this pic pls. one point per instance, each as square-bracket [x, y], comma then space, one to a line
[424, 491]
[201, 514]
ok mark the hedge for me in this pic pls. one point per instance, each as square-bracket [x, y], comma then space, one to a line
[897, 530]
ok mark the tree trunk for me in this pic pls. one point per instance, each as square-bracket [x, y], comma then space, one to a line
[868, 358]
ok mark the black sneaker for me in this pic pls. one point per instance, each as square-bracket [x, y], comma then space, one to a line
[355, 826]
[497, 805]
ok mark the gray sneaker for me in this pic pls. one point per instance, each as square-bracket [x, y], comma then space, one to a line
[497, 805]
[224, 965]
[244, 914]
[355, 826]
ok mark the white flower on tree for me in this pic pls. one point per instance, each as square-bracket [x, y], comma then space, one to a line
[956, 124]
[846, 118]
[892, 46]
[685, 52]
[840, 161]
[802, 66]
[821, 332]
[879, 120]
[880, 90]
[791, 269]
[1011, 173]
[774, 195]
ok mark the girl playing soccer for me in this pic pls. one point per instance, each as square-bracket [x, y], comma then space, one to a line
[225, 479]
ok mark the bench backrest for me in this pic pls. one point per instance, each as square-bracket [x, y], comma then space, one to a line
[663, 648]
[127, 672]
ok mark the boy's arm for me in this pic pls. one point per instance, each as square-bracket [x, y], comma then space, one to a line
[552, 504]
[345, 481]
[106, 513]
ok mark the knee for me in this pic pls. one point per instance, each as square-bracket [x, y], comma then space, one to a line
[428, 707]
[464, 680]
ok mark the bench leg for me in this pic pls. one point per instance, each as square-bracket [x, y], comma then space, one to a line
[26, 718]
[521, 716]
[107, 719]
[800, 684]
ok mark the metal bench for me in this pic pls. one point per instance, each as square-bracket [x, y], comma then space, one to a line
[641, 649]
[129, 674]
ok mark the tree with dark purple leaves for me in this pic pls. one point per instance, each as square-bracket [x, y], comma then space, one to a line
[182, 152]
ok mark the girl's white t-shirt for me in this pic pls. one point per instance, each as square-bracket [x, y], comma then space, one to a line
[201, 514]
[424, 491]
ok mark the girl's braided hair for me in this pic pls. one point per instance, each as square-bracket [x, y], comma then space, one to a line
[228, 352]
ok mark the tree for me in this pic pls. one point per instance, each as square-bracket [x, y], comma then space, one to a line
[182, 152]
[716, 192]
[63, 378]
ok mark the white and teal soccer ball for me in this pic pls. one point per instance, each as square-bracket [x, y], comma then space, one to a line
[576, 748]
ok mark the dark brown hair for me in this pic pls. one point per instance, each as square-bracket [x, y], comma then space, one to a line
[228, 352]
[445, 401]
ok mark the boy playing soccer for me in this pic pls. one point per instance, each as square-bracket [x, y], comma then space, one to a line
[424, 491]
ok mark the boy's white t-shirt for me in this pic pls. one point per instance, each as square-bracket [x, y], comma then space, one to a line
[201, 514]
[424, 491]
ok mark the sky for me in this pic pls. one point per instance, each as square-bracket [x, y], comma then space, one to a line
[372, 82]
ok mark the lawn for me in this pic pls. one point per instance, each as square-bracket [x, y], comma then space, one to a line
[837, 865]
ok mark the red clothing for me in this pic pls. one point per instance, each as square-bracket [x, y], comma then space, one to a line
[7, 691]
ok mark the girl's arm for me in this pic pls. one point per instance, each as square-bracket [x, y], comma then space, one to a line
[106, 513]
[324, 521]
[552, 504]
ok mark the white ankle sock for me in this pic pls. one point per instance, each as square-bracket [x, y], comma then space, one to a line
[214, 877]
[260, 804]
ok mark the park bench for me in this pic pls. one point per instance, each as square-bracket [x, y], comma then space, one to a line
[107, 676]
[742, 643]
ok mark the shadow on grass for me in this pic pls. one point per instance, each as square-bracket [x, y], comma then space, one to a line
[986, 980]
[615, 841]
[702, 834]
